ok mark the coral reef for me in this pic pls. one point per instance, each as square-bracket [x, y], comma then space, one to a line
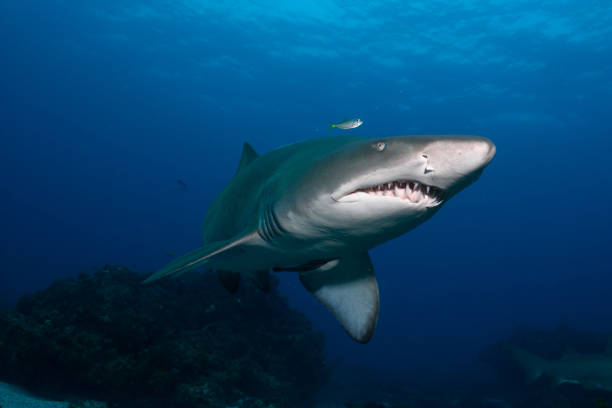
[182, 342]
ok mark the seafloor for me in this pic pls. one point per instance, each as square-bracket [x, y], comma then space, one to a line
[180, 342]
[106, 340]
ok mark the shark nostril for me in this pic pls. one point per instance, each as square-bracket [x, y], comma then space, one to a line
[428, 169]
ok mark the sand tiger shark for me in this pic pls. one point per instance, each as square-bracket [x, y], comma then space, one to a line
[592, 371]
[316, 208]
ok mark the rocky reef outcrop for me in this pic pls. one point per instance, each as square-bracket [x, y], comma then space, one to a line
[577, 358]
[178, 342]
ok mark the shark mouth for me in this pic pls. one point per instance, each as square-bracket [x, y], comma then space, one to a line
[409, 191]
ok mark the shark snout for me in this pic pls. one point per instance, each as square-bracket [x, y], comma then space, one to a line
[453, 160]
[488, 150]
[463, 154]
[474, 152]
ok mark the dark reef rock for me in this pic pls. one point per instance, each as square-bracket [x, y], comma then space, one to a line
[182, 342]
[509, 378]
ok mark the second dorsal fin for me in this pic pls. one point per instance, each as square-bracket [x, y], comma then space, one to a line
[248, 155]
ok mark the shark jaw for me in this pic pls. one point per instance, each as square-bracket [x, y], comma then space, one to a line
[404, 191]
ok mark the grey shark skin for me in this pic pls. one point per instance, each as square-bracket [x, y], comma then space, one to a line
[591, 371]
[317, 207]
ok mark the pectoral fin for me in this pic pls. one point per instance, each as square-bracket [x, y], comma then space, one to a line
[204, 256]
[348, 288]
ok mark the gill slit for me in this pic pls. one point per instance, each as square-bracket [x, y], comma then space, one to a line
[270, 227]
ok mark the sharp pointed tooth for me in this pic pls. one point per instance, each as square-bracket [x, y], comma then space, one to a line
[413, 195]
[421, 193]
[427, 190]
[416, 186]
[396, 191]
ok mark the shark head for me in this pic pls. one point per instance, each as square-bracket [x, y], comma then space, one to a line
[375, 189]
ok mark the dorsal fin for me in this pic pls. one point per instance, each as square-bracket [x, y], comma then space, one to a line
[248, 155]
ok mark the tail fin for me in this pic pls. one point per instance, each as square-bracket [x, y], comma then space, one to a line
[533, 366]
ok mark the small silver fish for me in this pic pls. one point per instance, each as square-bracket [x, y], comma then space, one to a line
[347, 124]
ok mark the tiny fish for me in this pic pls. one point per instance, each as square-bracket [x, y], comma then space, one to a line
[182, 184]
[347, 124]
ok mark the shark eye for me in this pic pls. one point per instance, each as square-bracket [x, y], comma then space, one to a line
[380, 146]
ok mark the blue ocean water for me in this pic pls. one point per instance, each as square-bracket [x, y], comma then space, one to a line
[106, 104]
